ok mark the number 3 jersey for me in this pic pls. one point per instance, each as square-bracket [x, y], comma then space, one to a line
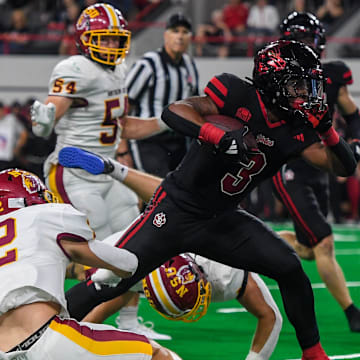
[32, 261]
[208, 181]
[99, 96]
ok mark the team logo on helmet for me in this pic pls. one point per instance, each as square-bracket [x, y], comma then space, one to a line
[29, 182]
[159, 219]
[185, 275]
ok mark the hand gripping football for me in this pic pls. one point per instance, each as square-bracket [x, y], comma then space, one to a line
[228, 123]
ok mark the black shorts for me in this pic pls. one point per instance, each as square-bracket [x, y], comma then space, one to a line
[307, 202]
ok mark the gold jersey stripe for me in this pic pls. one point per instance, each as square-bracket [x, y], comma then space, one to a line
[52, 183]
[111, 347]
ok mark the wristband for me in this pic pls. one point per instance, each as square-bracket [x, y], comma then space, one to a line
[211, 134]
[330, 137]
[119, 172]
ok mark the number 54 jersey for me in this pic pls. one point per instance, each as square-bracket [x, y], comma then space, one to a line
[99, 98]
[32, 261]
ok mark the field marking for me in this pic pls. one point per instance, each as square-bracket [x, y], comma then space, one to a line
[231, 310]
[320, 285]
[350, 356]
[347, 252]
[346, 238]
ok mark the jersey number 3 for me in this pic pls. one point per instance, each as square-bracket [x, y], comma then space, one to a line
[235, 184]
[7, 236]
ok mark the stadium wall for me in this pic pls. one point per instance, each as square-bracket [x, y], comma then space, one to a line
[23, 77]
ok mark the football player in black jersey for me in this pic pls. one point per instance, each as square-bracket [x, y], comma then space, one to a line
[195, 209]
[304, 189]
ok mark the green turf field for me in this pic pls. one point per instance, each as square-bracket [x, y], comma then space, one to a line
[226, 334]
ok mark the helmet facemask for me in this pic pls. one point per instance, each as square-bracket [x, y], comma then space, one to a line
[289, 77]
[95, 39]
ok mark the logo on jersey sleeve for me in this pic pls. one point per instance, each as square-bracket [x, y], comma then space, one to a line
[159, 219]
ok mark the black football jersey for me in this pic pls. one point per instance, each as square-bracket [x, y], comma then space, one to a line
[337, 74]
[210, 181]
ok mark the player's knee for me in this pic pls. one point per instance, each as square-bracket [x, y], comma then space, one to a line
[305, 252]
[325, 247]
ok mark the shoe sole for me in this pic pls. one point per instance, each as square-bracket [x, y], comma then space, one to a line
[73, 157]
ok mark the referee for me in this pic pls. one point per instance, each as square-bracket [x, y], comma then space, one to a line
[157, 79]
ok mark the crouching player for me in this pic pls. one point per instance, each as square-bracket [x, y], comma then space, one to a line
[36, 245]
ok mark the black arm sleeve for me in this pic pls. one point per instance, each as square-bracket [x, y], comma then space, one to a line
[344, 153]
[179, 124]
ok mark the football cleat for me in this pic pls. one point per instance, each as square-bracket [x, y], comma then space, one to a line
[315, 352]
[74, 157]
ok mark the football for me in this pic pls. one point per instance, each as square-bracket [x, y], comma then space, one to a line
[228, 123]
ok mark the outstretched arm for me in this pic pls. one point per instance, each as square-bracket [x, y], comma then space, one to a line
[97, 254]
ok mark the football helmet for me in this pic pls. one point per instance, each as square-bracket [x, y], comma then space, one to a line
[286, 71]
[19, 188]
[96, 27]
[178, 289]
[304, 27]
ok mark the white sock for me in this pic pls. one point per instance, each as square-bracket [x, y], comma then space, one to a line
[254, 356]
[120, 171]
[127, 318]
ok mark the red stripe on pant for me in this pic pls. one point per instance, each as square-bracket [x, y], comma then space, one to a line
[137, 225]
[292, 208]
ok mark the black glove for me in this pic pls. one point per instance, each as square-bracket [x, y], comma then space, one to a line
[319, 117]
[233, 143]
[355, 147]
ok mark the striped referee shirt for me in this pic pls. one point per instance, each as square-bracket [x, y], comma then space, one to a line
[154, 81]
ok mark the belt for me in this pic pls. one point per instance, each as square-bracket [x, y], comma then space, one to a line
[32, 339]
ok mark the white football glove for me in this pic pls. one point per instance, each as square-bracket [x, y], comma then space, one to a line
[104, 277]
[42, 118]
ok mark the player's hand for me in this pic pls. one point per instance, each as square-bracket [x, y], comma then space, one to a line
[105, 277]
[233, 143]
[319, 117]
[42, 118]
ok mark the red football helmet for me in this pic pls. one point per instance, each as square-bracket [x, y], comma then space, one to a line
[97, 25]
[19, 188]
[178, 289]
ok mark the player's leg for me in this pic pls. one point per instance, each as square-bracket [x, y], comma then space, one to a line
[259, 302]
[85, 193]
[303, 251]
[122, 204]
[308, 206]
[229, 283]
[239, 239]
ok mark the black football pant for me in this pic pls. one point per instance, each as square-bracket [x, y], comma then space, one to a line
[235, 238]
[307, 202]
